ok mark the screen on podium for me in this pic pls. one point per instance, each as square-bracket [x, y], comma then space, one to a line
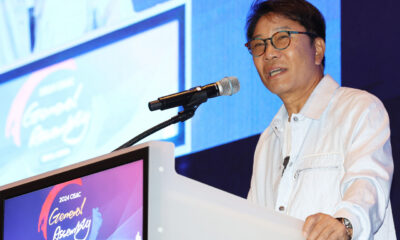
[100, 200]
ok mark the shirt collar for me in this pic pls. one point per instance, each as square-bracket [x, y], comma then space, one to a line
[278, 122]
[315, 105]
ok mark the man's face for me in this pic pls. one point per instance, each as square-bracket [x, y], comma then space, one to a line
[294, 70]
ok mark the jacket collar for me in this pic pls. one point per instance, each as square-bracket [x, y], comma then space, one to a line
[320, 98]
[313, 108]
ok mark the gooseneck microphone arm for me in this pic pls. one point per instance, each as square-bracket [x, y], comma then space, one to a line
[187, 113]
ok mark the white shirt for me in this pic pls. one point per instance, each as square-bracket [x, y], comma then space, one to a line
[340, 161]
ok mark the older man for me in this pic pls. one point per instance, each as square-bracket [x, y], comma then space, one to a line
[326, 156]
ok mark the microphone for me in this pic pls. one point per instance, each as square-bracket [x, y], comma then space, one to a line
[224, 87]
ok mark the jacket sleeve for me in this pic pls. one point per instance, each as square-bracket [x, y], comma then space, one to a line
[368, 166]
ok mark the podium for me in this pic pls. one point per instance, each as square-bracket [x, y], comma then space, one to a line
[174, 207]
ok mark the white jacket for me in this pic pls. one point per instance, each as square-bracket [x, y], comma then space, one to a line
[340, 161]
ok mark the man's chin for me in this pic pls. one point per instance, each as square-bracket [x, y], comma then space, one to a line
[275, 88]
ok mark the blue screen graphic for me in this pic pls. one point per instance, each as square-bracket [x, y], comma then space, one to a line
[89, 97]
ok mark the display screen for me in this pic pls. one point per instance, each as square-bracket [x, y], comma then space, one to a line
[91, 98]
[104, 205]
[86, 99]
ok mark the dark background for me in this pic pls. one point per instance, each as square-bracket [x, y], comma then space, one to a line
[370, 61]
[370, 52]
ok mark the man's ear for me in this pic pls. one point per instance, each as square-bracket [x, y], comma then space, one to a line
[319, 45]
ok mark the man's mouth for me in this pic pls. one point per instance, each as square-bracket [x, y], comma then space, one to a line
[276, 71]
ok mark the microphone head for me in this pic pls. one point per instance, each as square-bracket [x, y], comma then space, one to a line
[228, 86]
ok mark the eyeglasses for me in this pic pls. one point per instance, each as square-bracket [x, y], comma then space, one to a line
[279, 40]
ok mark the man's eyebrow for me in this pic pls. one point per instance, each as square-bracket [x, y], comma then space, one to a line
[282, 28]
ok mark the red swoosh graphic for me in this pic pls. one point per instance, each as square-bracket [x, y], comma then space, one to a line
[13, 124]
[44, 213]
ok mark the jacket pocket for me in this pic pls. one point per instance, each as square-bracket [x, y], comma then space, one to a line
[317, 184]
[319, 163]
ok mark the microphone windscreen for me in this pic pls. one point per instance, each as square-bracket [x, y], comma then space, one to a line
[228, 86]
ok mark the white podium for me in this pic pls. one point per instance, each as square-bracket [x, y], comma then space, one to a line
[181, 208]
[178, 208]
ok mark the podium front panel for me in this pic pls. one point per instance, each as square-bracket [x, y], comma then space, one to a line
[103, 198]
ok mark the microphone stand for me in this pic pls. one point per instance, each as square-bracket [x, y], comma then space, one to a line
[187, 113]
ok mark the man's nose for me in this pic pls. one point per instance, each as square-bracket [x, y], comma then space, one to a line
[270, 52]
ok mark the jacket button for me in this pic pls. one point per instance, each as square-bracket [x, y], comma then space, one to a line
[281, 208]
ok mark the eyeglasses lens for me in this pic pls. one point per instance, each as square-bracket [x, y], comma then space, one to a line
[281, 40]
[257, 47]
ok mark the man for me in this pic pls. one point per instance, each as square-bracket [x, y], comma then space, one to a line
[326, 156]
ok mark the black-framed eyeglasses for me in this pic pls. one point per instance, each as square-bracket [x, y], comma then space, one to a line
[279, 40]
